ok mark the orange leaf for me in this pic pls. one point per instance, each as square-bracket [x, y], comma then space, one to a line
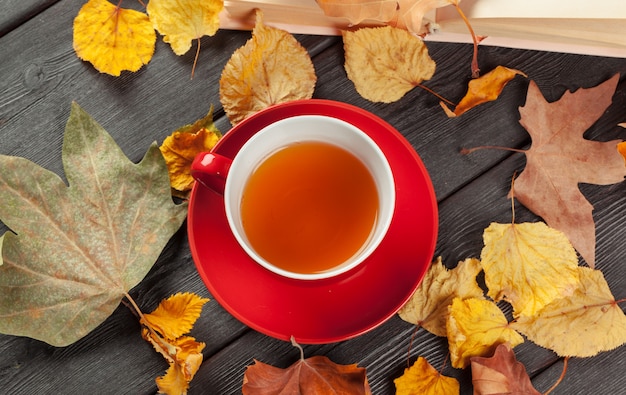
[560, 158]
[311, 376]
[501, 374]
[483, 89]
[113, 39]
[421, 378]
[181, 147]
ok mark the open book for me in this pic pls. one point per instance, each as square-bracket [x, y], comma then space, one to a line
[593, 27]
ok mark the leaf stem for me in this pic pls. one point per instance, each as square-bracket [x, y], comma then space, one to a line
[437, 95]
[474, 67]
[195, 60]
[299, 347]
[467, 151]
[565, 360]
[408, 352]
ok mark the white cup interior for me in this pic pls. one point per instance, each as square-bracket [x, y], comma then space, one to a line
[307, 128]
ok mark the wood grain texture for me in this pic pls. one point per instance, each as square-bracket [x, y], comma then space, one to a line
[42, 76]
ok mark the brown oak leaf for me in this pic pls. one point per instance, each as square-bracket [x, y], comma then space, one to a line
[560, 158]
[501, 374]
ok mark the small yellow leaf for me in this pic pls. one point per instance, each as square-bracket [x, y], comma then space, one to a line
[428, 307]
[384, 63]
[580, 325]
[271, 68]
[422, 379]
[181, 147]
[176, 315]
[484, 89]
[475, 328]
[182, 21]
[529, 265]
[113, 39]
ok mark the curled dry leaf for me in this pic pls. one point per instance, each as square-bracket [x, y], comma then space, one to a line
[528, 265]
[181, 147]
[113, 39]
[384, 63]
[78, 249]
[182, 21]
[164, 329]
[404, 14]
[501, 374]
[560, 158]
[270, 68]
[475, 328]
[428, 307]
[581, 325]
[357, 11]
[421, 378]
[483, 89]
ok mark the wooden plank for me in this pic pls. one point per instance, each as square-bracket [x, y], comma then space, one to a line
[16, 12]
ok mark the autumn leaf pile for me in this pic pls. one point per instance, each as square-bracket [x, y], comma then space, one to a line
[533, 268]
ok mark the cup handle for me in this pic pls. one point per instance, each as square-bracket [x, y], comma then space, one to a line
[210, 170]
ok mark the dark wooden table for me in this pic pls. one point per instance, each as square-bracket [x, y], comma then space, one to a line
[41, 76]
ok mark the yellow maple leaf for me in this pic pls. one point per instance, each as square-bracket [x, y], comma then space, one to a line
[181, 147]
[475, 328]
[182, 21]
[529, 265]
[272, 67]
[580, 325]
[422, 379]
[113, 39]
[384, 63]
[175, 315]
[484, 89]
[428, 307]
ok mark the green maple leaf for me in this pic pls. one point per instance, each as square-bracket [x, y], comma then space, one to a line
[75, 251]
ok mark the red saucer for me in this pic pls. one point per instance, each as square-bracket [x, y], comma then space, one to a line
[329, 310]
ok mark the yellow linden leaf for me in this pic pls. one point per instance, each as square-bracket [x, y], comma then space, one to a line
[529, 265]
[113, 39]
[422, 379]
[428, 307]
[580, 325]
[384, 63]
[272, 67]
[175, 315]
[182, 21]
[475, 328]
[181, 147]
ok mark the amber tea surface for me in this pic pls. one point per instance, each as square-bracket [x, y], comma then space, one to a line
[309, 207]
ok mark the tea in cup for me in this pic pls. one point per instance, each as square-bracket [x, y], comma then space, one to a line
[307, 197]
